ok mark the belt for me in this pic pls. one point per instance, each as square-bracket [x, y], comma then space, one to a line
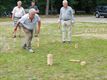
[17, 17]
[66, 19]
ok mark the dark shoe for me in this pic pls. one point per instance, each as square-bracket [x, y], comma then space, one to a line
[63, 41]
[14, 36]
[24, 46]
[69, 42]
[19, 36]
[36, 35]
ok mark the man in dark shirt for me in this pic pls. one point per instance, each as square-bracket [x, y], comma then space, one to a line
[33, 5]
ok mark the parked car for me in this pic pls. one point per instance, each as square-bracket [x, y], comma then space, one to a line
[101, 11]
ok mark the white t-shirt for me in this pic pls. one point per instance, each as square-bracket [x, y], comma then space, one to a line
[18, 12]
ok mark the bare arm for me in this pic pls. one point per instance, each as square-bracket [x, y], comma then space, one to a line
[60, 15]
[37, 11]
[17, 25]
[13, 13]
[12, 16]
[38, 29]
[39, 25]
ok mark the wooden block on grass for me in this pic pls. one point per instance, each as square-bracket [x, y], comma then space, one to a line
[50, 59]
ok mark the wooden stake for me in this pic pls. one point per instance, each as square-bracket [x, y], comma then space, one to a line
[37, 42]
[74, 60]
[76, 45]
[82, 63]
[50, 59]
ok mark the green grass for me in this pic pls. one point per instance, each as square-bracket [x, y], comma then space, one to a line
[5, 19]
[18, 64]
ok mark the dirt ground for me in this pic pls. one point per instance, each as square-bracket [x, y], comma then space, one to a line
[77, 19]
[55, 20]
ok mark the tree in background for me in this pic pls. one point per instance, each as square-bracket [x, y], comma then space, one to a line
[51, 6]
[47, 7]
[101, 2]
[6, 6]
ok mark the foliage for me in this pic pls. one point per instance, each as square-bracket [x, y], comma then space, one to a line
[6, 6]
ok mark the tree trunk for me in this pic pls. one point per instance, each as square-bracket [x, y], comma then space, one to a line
[47, 7]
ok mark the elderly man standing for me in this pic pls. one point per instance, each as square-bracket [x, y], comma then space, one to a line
[28, 22]
[66, 19]
[17, 13]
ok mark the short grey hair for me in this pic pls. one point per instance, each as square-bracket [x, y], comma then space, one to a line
[19, 2]
[65, 1]
[32, 10]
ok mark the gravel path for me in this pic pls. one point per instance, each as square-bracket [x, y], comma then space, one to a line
[54, 20]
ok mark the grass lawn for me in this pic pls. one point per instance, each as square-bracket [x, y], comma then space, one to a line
[18, 64]
[5, 19]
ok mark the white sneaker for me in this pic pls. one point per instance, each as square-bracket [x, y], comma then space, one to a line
[31, 51]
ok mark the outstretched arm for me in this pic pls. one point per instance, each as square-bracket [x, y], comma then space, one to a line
[39, 25]
[38, 29]
[12, 16]
[60, 15]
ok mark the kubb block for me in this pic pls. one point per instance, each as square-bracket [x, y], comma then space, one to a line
[50, 59]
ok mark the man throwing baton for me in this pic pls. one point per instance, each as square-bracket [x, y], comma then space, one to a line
[28, 23]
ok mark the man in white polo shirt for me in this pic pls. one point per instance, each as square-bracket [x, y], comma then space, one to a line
[28, 22]
[17, 13]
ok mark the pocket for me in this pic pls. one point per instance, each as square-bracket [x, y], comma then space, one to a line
[69, 23]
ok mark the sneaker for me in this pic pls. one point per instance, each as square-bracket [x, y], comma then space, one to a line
[36, 35]
[31, 51]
